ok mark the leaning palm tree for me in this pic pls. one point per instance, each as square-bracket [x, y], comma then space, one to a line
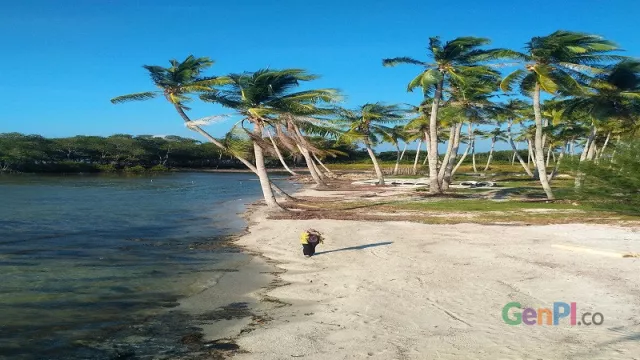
[393, 136]
[557, 64]
[176, 84]
[417, 129]
[494, 135]
[512, 112]
[455, 59]
[364, 123]
[260, 98]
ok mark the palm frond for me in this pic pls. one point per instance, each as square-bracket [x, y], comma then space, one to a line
[402, 60]
[141, 96]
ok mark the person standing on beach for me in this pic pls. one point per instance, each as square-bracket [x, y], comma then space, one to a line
[310, 239]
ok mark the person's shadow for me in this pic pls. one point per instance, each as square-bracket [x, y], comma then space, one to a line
[359, 247]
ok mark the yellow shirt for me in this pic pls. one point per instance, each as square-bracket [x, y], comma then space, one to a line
[304, 238]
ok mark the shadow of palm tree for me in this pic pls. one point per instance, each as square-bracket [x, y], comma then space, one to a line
[359, 247]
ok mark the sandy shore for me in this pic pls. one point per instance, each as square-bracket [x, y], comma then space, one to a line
[401, 290]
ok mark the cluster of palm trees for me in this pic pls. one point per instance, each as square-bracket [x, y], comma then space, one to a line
[591, 97]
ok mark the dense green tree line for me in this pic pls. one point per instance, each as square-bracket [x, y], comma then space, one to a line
[35, 153]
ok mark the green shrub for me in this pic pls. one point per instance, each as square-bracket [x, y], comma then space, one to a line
[135, 169]
[159, 168]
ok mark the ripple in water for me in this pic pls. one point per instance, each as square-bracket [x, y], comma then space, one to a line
[80, 255]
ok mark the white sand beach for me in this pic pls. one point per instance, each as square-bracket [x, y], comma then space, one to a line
[401, 290]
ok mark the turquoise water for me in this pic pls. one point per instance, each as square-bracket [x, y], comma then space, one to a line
[80, 254]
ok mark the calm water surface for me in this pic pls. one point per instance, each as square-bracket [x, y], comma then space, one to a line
[79, 254]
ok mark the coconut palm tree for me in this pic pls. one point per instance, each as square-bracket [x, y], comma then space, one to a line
[469, 101]
[495, 135]
[456, 59]
[176, 84]
[511, 112]
[366, 122]
[612, 101]
[393, 136]
[417, 129]
[557, 64]
[261, 96]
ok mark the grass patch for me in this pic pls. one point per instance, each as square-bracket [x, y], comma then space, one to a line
[457, 205]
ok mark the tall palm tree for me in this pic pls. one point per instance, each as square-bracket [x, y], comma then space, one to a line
[455, 59]
[260, 97]
[557, 64]
[366, 122]
[176, 83]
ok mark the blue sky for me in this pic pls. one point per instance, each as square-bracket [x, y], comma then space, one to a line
[63, 60]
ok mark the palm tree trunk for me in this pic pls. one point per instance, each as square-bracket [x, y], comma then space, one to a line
[557, 166]
[515, 150]
[316, 168]
[572, 148]
[376, 167]
[604, 146]
[587, 145]
[275, 147]
[307, 157]
[613, 154]
[434, 184]
[592, 151]
[472, 144]
[473, 156]
[265, 183]
[447, 154]
[464, 155]
[415, 162]
[426, 150]
[584, 156]
[549, 151]
[310, 165]
[448, 173]
[493, 144]
[395, 170]
[321, 164]
[539, 150]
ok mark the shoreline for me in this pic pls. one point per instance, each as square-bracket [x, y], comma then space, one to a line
[406, 290]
